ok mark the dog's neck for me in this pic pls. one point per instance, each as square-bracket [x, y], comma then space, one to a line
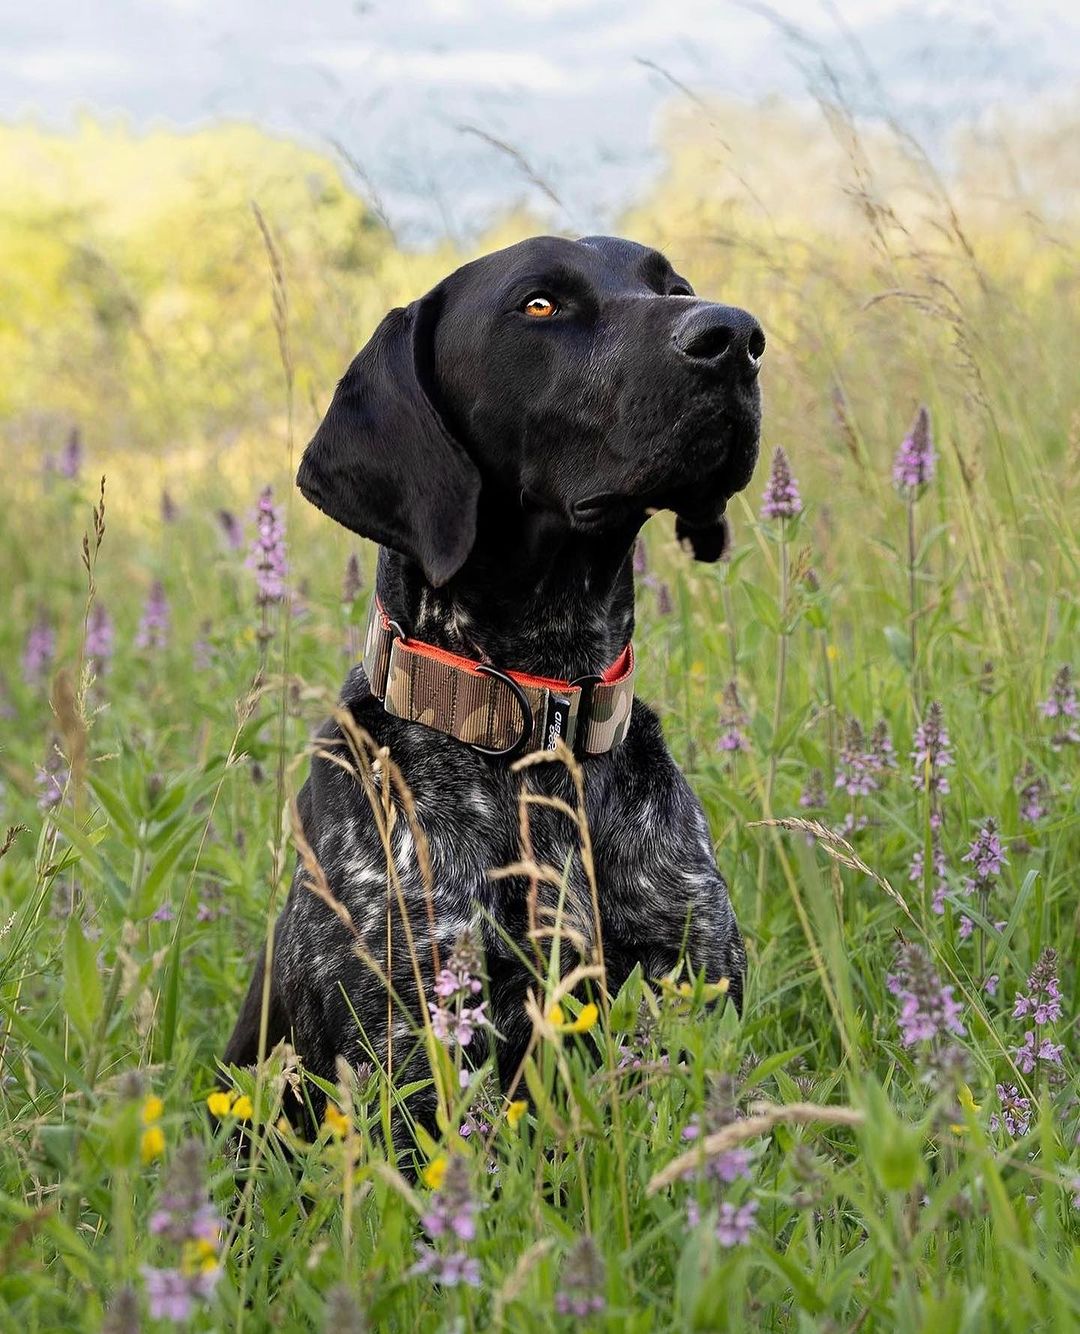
[532, 597]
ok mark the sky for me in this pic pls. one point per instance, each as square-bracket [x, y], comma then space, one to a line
[417, 95]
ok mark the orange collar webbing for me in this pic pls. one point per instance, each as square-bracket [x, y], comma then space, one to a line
[499, 713]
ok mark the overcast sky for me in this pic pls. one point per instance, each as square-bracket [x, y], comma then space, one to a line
[403, 85]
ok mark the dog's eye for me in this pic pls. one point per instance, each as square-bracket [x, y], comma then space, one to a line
[538, 305]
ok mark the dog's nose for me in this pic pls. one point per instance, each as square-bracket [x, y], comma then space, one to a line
[721, 337]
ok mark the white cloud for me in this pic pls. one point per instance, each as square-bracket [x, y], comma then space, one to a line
[470, 67]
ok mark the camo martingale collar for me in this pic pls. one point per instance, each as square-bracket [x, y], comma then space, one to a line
[500, 713]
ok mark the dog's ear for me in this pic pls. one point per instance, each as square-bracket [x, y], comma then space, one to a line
[383, 462]
[708, 541]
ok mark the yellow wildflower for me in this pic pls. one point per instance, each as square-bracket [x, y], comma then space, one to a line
[220, 1103]
[515, 1112]
[198, 1256]
[832, 652]
[585, 1020]
[152, 1109]
[242, 1108]
[435, 1171]
[152, 1144]
[966, 1099]
[336, 1120]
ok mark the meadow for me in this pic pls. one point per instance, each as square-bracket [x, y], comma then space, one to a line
[875, 698]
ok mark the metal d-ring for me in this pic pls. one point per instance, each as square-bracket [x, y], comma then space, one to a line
[509, 752]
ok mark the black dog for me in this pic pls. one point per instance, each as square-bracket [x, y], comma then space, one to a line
[504, 438]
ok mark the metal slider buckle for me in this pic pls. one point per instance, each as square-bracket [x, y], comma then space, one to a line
[513, 751]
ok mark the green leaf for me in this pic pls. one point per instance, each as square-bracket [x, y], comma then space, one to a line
[83, 997]
[899, 643]
[115, 808]
[764, 607]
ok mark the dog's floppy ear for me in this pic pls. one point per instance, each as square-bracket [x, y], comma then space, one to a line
[707, 541]
[383, 463]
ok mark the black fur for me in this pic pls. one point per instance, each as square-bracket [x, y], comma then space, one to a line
[506, 463]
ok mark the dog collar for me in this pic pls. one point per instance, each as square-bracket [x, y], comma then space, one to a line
[498, 713]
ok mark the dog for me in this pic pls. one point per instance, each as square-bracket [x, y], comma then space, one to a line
[503, 439]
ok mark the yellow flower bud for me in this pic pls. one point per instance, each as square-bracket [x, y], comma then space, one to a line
[151, 1111]
[435, 1171]
[336, 1120]
[242, 1108]
[220, 1103]
[152, 1144]
[515, 1112]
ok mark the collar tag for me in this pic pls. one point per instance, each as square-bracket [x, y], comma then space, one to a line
[556, 721]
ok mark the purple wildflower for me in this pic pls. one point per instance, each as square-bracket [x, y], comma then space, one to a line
[729, 1166]
[267, 558]
[582, 1281]
[986, 855]
[732, 721]
[171, 1293]
[169, 510]
[990, 986]
[781, 499]
[1062, 704]
[51, 778]
[153, 631]
[664, 605]
[640, 1048]
[202, 651]
[185, 1219]
[881, 752]
[914, 464]
[353, 582]
[451, 1215]
[448, 1271]
[856, 768]
[1034, 1051]
[931, 754]
[1043, 1001]
[184, 1212]
[917, 871]
[1015, 1111]
[812, 797]
[640, 558]
[452, 1209]
[735, 1222]
[69, 460]
[231, 529]
[100, 636]
[1034, 791]
[39, 649]
[928, 1010]
[122, 1315]
[452, 1020]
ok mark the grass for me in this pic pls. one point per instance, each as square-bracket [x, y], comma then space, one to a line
[887, 1192]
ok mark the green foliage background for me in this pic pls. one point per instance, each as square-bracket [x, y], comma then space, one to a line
[137, 301]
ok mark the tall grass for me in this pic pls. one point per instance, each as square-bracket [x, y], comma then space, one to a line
[672, 1167]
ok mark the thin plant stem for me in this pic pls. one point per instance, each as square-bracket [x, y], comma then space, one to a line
[781, 668]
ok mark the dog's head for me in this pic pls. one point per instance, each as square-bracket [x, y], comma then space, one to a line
[580, 378]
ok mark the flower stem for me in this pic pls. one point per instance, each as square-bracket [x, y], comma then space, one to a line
[781, 669]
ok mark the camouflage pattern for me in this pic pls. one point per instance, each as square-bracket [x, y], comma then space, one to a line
[609, 715]
[482, 710]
